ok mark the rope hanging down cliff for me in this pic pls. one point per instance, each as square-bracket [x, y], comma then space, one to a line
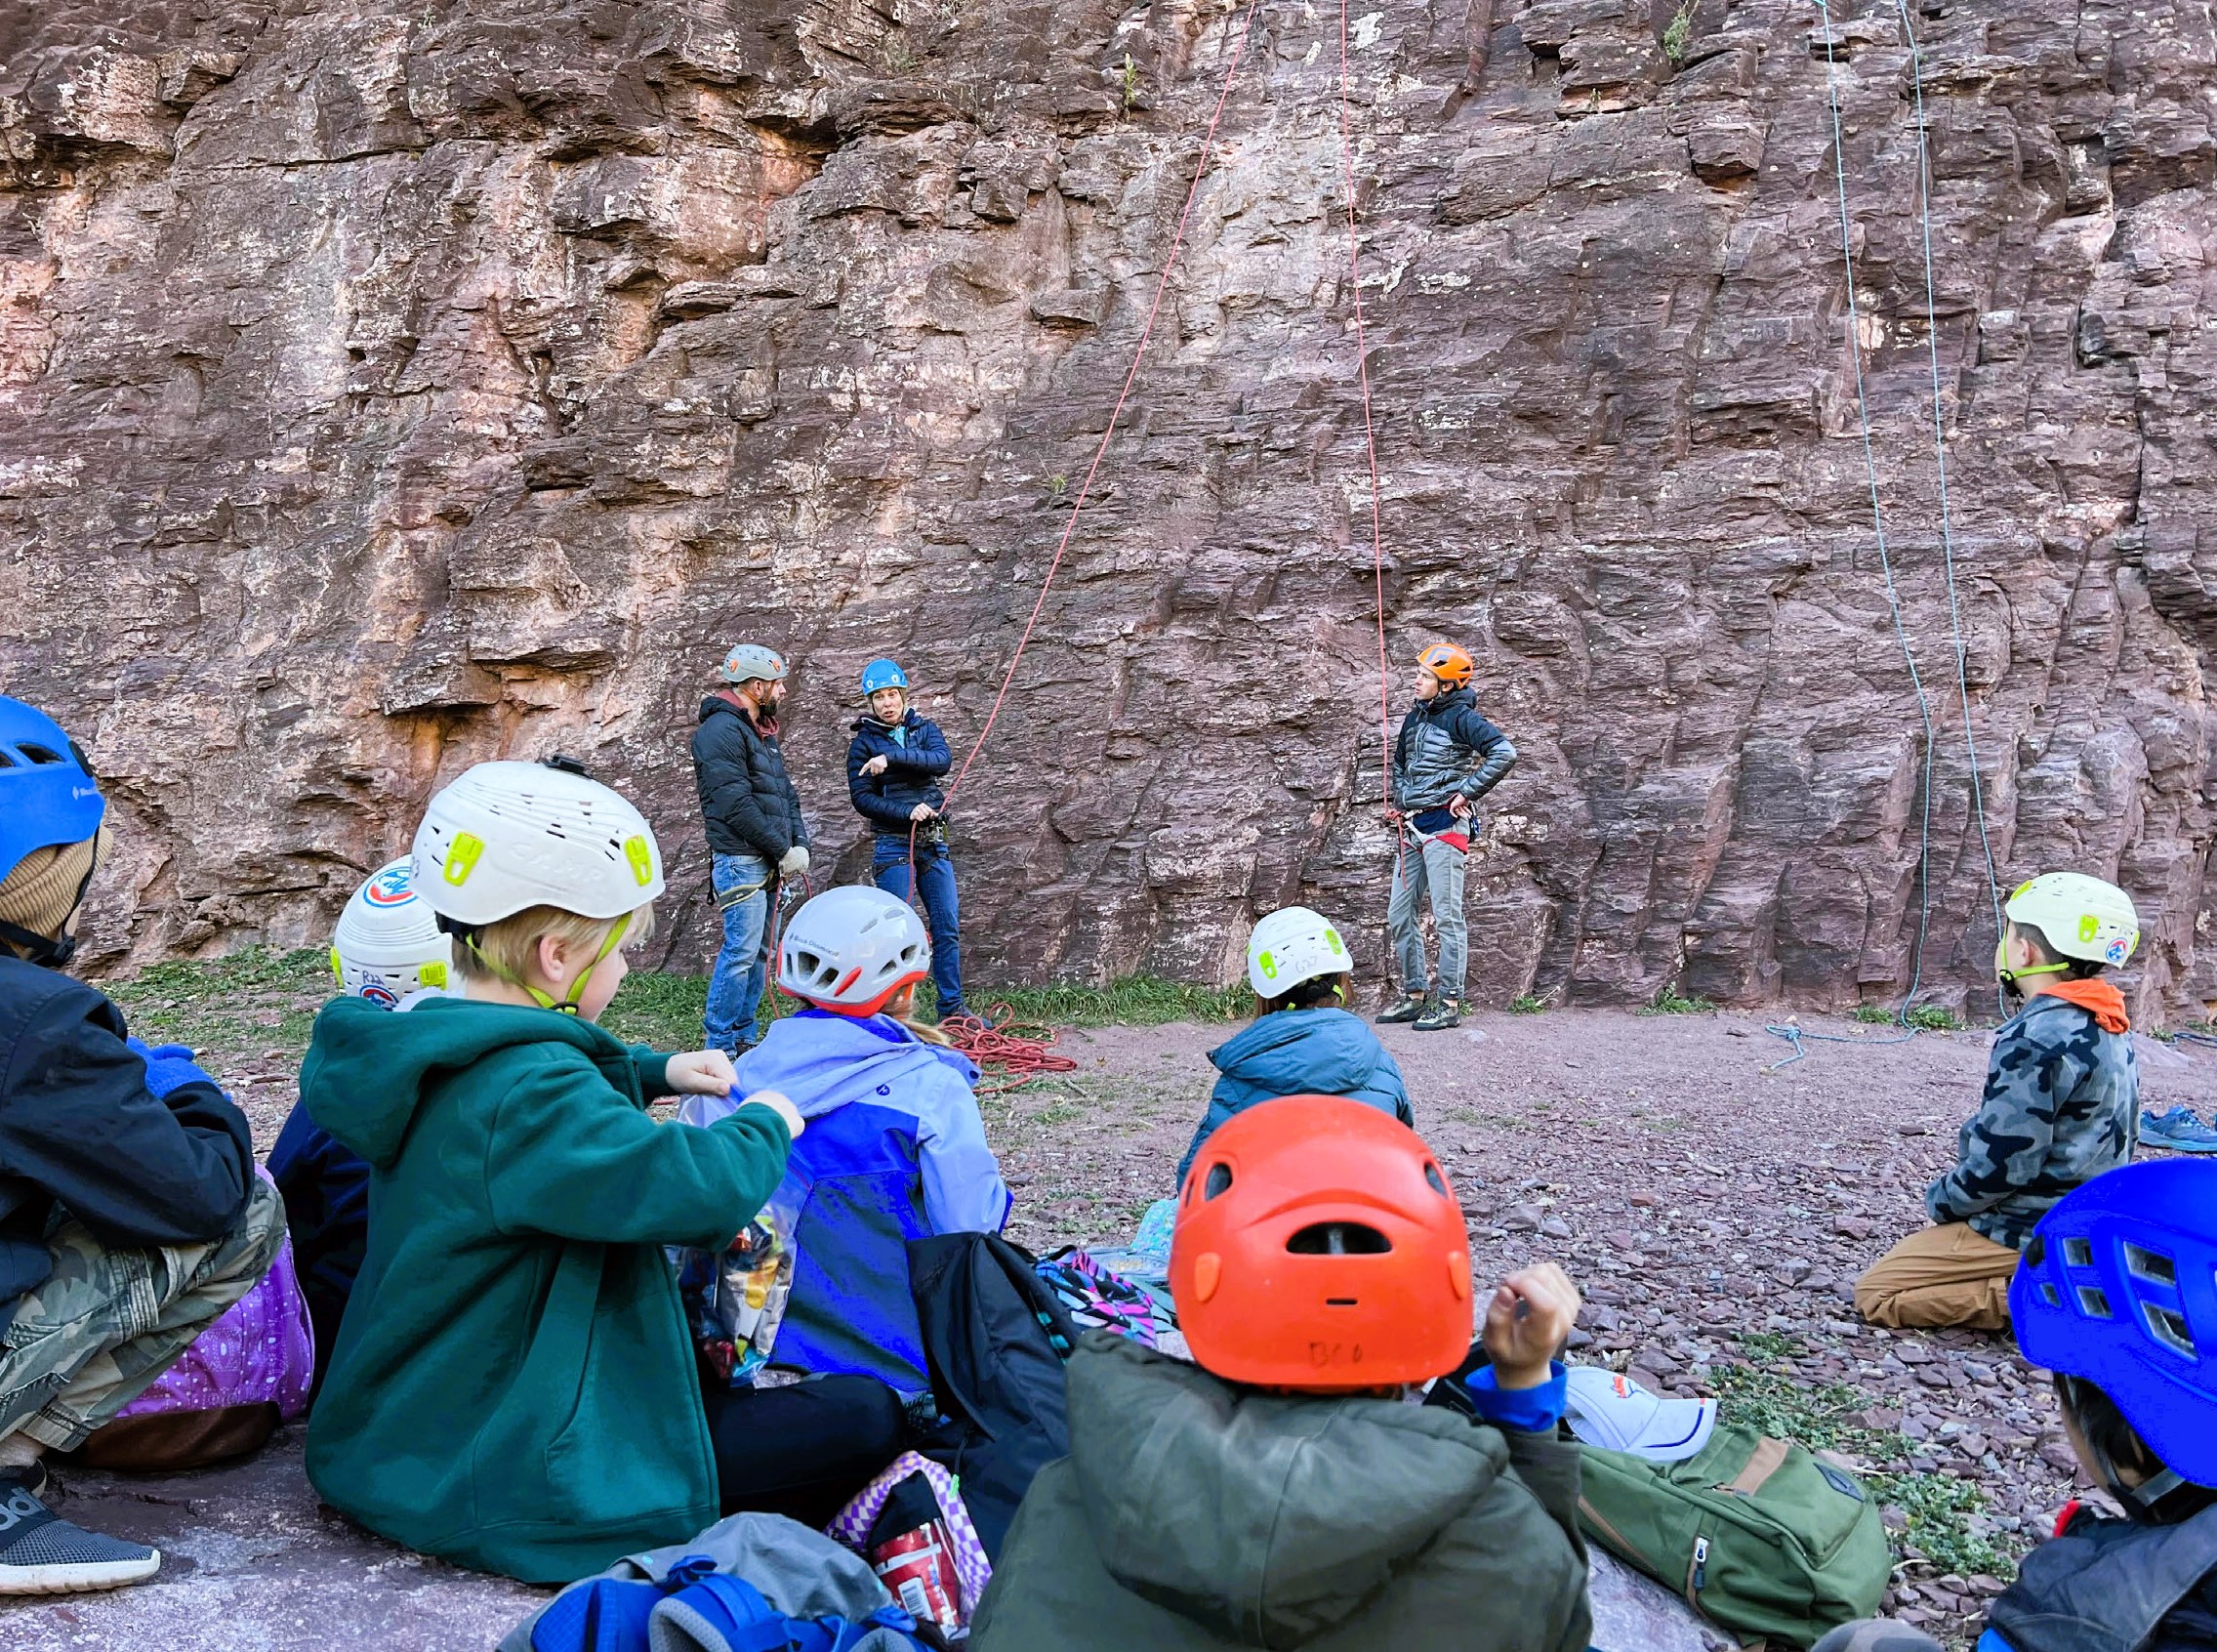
[1793, 1034]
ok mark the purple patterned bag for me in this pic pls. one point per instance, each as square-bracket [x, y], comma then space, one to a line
[852, 1524]
[261, 1351]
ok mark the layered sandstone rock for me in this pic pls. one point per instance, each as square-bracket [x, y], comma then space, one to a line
[384, 386]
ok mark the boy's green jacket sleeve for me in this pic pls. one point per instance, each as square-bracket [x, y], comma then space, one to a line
[653, 1070]
[563, 1159]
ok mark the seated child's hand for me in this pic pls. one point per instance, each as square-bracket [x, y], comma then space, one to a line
[1526, 1324]
[702, 1072]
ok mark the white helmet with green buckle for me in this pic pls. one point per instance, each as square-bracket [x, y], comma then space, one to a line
[506, 836]
[1290, 946]
[388, 944]
[2082, 918]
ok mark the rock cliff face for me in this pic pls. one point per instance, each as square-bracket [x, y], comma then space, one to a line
[384, 387]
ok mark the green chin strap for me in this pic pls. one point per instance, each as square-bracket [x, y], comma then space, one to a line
[2011, 979]
[567, 1005]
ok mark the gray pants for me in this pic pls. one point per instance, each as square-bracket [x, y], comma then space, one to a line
[1429, 866]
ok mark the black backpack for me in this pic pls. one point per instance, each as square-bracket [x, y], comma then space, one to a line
[995, 1337]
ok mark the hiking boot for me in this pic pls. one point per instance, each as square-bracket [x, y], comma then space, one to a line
[1444, 1014]
[42, 1553]
[1412, 1005]
[2181, 1129]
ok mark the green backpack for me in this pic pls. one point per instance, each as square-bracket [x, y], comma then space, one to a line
[1758, 1534]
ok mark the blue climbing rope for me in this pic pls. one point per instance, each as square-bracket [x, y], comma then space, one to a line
[1794, 1035]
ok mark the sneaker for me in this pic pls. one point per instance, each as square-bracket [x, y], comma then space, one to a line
[1444, 1014]
[42, 1553]
[1409, 1008]
[2181, 1129]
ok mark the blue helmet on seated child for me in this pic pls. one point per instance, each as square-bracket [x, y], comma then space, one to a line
[2118, 1289]
[49, 803]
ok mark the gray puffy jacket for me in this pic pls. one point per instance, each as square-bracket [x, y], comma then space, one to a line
[1447, 748]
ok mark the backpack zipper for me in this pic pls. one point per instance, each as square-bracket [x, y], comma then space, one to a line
[1698, 1572]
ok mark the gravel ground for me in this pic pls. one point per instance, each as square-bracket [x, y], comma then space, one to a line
[1714, 1211]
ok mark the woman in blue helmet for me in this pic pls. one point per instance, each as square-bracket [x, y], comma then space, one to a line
[893, 768]
[130, 1215]
[2118, 1297]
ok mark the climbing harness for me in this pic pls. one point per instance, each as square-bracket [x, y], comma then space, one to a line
[1794, 1035]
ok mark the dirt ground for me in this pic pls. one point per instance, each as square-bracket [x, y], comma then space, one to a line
[1715, 1210]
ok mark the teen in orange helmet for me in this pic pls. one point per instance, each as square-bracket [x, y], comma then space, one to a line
[1446, 757]
[1283, 1492]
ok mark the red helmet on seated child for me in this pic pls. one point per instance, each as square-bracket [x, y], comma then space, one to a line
[1319, 1247]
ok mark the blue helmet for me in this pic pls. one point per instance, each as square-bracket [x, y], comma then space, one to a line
[883, 673]
[48, 795]
[2118, 1286]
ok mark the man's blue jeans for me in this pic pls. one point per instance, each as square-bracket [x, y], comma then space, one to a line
[935, 878]
[742, 884]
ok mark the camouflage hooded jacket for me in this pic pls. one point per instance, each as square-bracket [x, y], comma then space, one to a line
[2062, 1105]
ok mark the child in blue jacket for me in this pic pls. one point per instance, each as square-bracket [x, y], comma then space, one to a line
[1303, 1041]
[895, 1150]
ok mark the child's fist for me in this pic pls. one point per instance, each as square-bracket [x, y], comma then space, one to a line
[1526, 1324]
[703, 1072]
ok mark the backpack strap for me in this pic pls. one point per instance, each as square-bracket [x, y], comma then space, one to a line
[1766, 1460]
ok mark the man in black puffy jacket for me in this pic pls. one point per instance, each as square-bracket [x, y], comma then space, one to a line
[754, 833]
[129, 1213]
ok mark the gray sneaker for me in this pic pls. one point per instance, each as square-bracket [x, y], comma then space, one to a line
[1412, 1005]
[42, 1553]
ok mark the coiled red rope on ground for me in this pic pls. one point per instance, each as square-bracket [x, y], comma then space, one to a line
[1017, 1051]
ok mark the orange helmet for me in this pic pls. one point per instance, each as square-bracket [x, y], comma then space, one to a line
[1318, 1247]
[1450, 664]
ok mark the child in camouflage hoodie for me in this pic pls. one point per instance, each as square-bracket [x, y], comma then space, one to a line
[2061, 1106]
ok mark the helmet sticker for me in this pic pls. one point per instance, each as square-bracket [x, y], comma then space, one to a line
[2116, 951]
[377, 992]
[391, 886]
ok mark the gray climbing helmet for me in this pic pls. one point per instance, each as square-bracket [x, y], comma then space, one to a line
[750, 662]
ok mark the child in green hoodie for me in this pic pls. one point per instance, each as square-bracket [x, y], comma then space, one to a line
[514, 1387]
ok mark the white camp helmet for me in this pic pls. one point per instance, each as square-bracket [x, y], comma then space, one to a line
[2081, 916]
[389, 943]
[505, 837]
[1292, 945]
[852, 948]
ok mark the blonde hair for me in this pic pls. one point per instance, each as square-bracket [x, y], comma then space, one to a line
[509, 949]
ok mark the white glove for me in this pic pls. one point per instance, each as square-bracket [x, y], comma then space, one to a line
[795, 863]
[795, 1124]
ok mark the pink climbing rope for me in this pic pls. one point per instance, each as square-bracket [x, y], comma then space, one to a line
[1138, 355]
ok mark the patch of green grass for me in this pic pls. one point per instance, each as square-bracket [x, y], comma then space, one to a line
[1934, 1017]
[1131, 83]
[1872, 1014]
[1670, 1001]
[1938, 1509]
[260, 997]
[1136, 1001]
[1526, 1004]
[1680, 34]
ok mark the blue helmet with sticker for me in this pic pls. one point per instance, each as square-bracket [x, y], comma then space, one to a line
[2119, 1288]
[883, 673]
[48, 795]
